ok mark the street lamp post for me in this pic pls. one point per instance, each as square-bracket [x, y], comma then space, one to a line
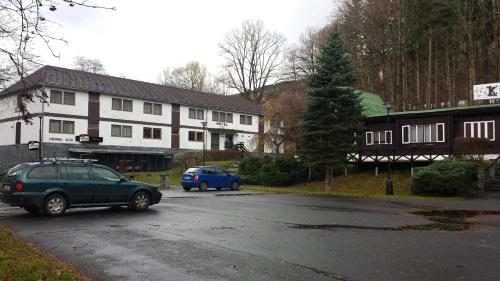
[204, 124]
[388, 187]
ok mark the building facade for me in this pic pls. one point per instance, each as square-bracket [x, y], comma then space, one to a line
[427, 135]
[125, 124]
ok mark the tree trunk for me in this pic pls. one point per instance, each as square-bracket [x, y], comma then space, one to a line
[429, 73]
[328, 178]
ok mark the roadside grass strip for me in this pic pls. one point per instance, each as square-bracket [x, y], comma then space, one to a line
[20, 261]
[355, 185]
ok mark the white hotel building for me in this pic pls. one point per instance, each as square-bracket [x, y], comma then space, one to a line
[128, 122]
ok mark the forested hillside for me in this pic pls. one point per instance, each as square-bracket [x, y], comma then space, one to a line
[422, 53]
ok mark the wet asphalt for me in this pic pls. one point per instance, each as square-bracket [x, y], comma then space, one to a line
[255, 236]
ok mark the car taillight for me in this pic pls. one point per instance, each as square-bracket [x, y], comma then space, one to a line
[196, 177]
[19, 186]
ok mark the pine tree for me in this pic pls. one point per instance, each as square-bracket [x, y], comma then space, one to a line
[333, 113]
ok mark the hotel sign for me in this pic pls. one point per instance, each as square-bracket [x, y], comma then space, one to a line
[33, 145]
[487, 91]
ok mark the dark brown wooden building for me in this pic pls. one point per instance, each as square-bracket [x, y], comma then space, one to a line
[426, 135]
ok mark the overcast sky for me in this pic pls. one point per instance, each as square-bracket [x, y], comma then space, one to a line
[141, 38]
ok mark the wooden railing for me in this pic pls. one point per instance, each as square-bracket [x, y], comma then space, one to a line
[399, 155]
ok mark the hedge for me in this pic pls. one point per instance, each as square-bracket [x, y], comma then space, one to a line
[448, 177]
[281, 171]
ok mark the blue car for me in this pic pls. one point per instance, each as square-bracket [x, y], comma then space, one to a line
[205, 177]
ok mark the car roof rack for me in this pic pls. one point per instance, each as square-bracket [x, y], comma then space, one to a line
[68, 160]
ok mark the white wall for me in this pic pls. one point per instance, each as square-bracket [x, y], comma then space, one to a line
[8, 107]
[81, 106]
[184, 142]
[137, 113]
[137, 136]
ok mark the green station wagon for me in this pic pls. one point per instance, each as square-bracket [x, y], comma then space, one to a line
[51, 187]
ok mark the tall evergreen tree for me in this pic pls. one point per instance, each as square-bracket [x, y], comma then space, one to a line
[333, 113]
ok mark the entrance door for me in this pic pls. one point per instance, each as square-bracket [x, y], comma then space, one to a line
[215, 137]
[228, 143]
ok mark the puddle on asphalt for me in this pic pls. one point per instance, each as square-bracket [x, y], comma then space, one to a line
[441, 220]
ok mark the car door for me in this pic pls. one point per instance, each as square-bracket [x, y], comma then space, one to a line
[76, 182]
[110, 186]
[42, 178]
[210, 176]
[222, 178]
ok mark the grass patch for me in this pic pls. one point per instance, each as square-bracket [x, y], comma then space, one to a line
[21, 261]
[174, 173]
[355, 185]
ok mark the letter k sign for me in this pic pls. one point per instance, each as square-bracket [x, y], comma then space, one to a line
[491, 91]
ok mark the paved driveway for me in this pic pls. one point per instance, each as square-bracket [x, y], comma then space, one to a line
[254, 236]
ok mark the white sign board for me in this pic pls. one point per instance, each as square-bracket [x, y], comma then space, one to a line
[487, 91]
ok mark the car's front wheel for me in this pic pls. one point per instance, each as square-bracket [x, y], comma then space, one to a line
[55, 205]
[235, 185]
[141, 201]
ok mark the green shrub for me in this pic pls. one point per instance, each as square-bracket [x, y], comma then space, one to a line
[447, 177]
[274, 172]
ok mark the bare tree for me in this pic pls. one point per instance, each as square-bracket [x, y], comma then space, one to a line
[301, 59]
[89, 65]
[192, 76]
[24, 25]
[253, 59]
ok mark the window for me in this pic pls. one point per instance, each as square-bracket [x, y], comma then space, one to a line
[55, 126]
[222, 117]
[157, 109]
[60, 97]
[69, 98]
[480, 129]
[121, 104]
[121, 131]
[196, 114]
[56, 97]
[43, 172]
[148, 108]
[156, 133]
[75, 173]
[246, 119]
[116, 130]
[152, 108]
[427, 133]
[61, 127]
[127, 105]
[116, 104]
[379, 137]
[152, 133]
[103, 174]
[195, 136]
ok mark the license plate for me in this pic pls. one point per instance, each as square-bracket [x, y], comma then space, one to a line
[6, 188]
[187, 178]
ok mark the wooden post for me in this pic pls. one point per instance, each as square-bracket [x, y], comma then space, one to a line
[376, 171]
[345, 171]
[411, 171]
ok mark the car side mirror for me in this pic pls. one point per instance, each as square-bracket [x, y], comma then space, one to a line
[123, 179]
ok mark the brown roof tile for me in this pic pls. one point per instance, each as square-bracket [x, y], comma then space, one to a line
[57, 77]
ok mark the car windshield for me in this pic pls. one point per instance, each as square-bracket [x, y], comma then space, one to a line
[192, 170]
[16, 169]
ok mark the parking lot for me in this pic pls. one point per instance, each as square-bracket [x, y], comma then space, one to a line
[255, 236]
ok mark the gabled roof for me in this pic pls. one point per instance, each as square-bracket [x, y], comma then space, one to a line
[372, 104]
[58, 77]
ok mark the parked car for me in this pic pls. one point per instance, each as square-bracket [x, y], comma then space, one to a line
[205, 177]
[51, 187]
